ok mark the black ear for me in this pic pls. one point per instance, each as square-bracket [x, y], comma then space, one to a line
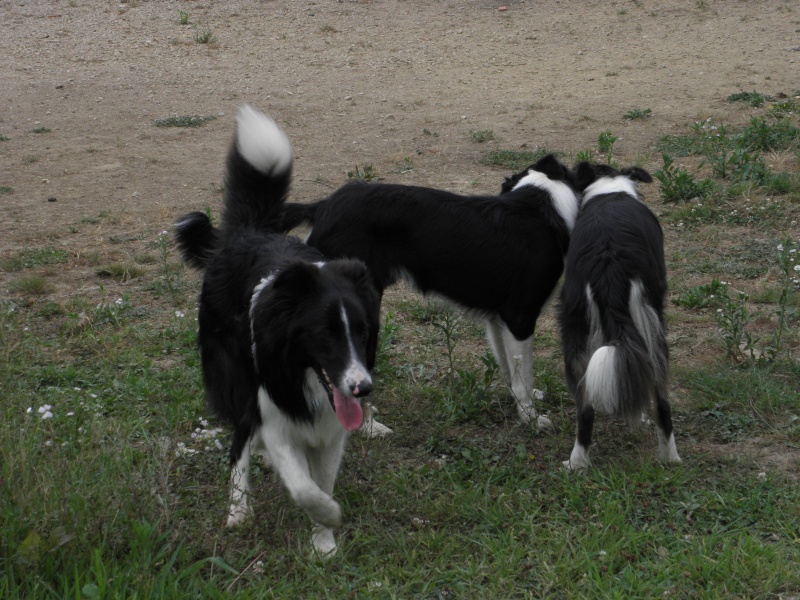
[585, 175]
[277, 351]
[552, 167]
[367, 292]
[637, 174]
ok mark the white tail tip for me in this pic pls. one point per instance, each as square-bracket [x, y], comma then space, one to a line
[262, 142]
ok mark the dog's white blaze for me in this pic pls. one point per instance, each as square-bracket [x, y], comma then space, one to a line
[564, 199]
[262, 142]
[356, 373]
[610, 185]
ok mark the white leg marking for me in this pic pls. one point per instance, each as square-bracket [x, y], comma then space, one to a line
[578, 460]
[667, 450]
[323, 541]
[240, 489]
[372, 428]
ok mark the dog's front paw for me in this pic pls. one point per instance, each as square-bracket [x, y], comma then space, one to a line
[238, 514]
[372, 428]
[544, 424]
[323, 541]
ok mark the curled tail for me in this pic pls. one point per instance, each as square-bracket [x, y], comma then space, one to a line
[259, 171]
[296, 214]
[625, 374]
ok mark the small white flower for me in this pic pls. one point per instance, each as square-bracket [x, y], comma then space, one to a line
[119, 301]
[30, 410]
[93, 395]
[780, 247]
[762, 476]
[218, 444]
[70, 414]
[719, 310]
[164, 232]
[603, 553]
[797, 267]
[44, 409]
[180, 314]
[48, 443]
[47, 415]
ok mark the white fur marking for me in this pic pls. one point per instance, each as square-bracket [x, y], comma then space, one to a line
[564, 199]
[265, 281]
[648, 325]
[262, 142]
[601, 380]
[667, 450]
[611, 185]
[356, 373]
[578, 460]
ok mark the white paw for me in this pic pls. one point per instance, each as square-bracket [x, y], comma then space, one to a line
[323, 541]
[576, 466]
[238, 514]
[372, 428]
[544, 423]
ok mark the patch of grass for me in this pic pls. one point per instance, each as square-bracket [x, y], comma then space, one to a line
[784, 109]
[4, 137]
[30, 159]
[6, 190]
[41, 129]
[32, 285]
[762, 135]
[427, 131]
[328, 29]
[678, 185]
[183, 17]
[754, 99]
[481, 136]
[513, 160]
[35, 257]
[120, 271]
[183, 121]
[205, 36]
[365, 173]
[638, 114]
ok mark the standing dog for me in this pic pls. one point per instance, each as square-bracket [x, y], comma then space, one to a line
[497, 256]
[287, 339]
[612, 309]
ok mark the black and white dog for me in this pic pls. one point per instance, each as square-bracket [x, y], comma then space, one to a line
[612, 309]
[287, 338]
[499, 257]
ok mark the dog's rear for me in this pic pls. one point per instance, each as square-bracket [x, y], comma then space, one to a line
[611, 310]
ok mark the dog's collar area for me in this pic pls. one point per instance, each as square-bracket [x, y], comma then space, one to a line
[611, 185]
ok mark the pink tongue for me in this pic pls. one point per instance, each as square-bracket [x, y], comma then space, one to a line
[348, 410]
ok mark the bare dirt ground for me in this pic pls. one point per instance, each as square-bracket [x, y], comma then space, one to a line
[400, 85]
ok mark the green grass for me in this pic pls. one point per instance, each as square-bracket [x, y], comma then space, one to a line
[206, 36]
[6, 190]
[514, 160]
[35, 257]
[754, 99]
[638, 114]
[41, 129]
[4, 137]
[481, 136]
[114, 497]
[183, 121]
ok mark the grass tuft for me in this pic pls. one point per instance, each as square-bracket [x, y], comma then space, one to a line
[183, 121]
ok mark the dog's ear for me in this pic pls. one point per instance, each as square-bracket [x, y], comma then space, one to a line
[552, 167]
[585, 175]
[277, 353]
[637, 174]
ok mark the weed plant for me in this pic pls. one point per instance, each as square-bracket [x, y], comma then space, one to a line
[365, 173]
[636, 114]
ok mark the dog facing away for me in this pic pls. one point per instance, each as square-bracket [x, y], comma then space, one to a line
[287, 338]
[612, 309]
[498, 257]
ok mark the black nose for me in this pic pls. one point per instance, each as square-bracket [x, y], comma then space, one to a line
[362, 388]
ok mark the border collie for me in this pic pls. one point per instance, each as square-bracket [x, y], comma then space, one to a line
[287, 338]
[499, 257]
[612, 309]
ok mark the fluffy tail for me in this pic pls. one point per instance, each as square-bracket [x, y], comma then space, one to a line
[259, 171]
[624, 375]
[296, 214]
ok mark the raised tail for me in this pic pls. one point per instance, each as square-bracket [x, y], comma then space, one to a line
[296, 214]
[259, 170]
[197, 239]
[629, 364]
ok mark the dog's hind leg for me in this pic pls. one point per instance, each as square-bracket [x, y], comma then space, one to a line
[579, 459]
[515, 358]
[667, 450]
[240, 488]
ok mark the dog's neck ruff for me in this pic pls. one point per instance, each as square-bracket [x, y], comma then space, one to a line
[564, 200]
[611, 185]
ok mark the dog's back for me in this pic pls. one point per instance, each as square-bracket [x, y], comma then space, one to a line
[612, 304]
